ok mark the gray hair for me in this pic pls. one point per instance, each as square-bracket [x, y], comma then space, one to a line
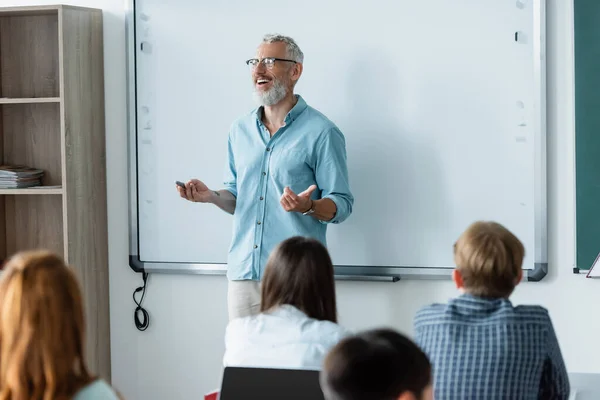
[293, 49]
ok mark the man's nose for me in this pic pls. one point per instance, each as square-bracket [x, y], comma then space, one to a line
[260, 67]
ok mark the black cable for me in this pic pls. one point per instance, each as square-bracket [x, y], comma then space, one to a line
[142, 324]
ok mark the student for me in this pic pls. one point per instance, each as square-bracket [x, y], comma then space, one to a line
[42, 333]
[379, 364]
[480, 345]
[297, 324]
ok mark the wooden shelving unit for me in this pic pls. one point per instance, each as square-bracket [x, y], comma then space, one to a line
[30, 101]
[37, 190]
[52, 118]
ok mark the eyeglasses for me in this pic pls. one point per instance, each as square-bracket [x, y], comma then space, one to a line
[268, 62]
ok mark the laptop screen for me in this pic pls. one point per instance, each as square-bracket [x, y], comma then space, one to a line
[270, 384]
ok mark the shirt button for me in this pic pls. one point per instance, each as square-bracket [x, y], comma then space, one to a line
[264, 173]
[255, 246]
[258, 222]
[262, 198]
[268, 149]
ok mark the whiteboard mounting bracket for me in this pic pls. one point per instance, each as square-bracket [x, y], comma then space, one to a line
[136, 264]
[538, 272]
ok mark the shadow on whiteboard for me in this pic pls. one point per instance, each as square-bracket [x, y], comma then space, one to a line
[403, 212]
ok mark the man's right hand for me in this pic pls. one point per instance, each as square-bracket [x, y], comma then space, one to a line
[196, 191]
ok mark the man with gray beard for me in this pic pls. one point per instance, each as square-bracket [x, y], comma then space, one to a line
[286, 176]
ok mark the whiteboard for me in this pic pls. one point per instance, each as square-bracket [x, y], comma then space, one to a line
[442, 104]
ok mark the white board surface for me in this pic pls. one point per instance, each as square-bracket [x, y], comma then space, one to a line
[439, 104]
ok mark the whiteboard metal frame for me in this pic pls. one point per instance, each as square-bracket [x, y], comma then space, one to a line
[350, 272]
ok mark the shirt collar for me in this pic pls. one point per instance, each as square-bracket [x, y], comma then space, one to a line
[287, 310]
[468, 303]
[298, 108]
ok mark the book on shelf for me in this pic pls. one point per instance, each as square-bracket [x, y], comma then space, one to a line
[19, 176]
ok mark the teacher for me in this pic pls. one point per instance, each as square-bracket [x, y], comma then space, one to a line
[287, 173]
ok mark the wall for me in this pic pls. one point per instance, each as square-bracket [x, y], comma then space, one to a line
[179, 356]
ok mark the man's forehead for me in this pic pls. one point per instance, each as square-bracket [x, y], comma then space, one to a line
[276, 49]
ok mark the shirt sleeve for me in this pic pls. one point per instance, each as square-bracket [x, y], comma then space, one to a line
[332, 173]
[555, 380]
[230, 178]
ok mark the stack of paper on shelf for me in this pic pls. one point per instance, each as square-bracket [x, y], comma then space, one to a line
[19, 176]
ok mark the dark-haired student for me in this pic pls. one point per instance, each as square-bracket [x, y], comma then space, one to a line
[380, 364]
[480, 345]
[297, 324]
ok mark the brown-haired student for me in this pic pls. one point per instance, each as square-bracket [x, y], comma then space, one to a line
[297, 324]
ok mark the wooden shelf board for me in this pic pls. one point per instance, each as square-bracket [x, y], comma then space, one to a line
[34, 100]
[29, 11]
[34, 190]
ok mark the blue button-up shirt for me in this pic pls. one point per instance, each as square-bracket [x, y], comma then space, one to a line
[487, 349]
[309, 149]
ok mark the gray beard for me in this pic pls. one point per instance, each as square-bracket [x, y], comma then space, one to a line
[271, 96]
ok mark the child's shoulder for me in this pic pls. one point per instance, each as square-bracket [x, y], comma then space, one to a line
[532, 312]
[430, 312]
[97, 390]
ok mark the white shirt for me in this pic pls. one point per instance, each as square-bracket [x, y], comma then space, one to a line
[282, 338]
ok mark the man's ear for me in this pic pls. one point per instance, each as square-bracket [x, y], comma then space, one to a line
[457, 278]
[296, 72]
[407, 396]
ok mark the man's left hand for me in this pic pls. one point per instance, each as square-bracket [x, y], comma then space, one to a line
[301, 202]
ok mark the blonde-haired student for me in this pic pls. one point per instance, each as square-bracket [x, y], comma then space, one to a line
[42, 336]
[480, 345]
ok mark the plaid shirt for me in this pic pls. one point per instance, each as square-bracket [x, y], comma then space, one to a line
[486, 349]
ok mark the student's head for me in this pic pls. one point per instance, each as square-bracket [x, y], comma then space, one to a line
[299, 272]
[41, 329]
[379, 364]
[488, 260]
